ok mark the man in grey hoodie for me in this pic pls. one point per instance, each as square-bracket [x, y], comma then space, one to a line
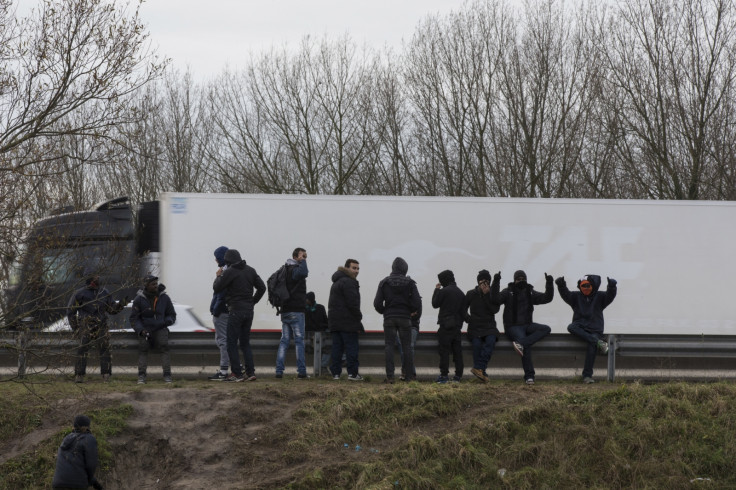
[398, 300]
[218, 309]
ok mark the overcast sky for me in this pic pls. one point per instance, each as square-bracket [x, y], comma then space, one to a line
[207, 36]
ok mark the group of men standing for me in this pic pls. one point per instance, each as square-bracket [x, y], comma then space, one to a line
[237, 288]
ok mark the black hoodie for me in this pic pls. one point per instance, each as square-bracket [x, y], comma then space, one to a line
[450, 300]
[519, 300]
[238, 282]
[397, 295]
[76, 461]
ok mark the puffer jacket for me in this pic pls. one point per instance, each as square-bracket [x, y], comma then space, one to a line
[588, 310]
[343, 308]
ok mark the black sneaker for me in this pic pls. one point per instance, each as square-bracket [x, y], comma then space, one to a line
[234, 378]
[218, 376]
[302, 376]
[279, 375]
[389, 381]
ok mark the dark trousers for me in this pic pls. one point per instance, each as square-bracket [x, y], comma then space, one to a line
[239, 324]
[93, 337]
[450, 341]
[160, 340]
[528, 335]
[402, 326]
[591, 340]
[482, 351]
[346, 342]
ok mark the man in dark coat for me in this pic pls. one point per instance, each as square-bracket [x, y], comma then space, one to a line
[482, 329]
[151, 316]
[87, 314]
[519, 299]
[344, 319]
[587, 305]
[315, 326]
[398, 300]
[238, 282]
[292, 313]
[451, 302]
[76, 460]
[218, 310]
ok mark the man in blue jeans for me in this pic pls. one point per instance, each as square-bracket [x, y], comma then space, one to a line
[292, 313]
[519, 299]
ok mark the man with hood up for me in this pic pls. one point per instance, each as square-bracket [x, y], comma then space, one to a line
[76, 460]
[151, 316]
[398, 300]
[587, 306]
[344, 319]
[482, 329]
[218, 309]
[519, 299]
[87, 315]
[451, 302]
[238, 281]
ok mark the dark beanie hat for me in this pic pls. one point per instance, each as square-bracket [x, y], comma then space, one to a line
[149, 279]
[520, 274]
[81, 421]
[484, 275]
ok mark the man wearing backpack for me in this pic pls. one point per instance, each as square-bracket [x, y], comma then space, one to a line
[292, 312]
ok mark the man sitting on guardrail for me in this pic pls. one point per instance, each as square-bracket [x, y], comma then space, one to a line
[519, 299]
[587, 305]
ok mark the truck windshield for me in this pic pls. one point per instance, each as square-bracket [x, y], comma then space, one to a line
[65, 265]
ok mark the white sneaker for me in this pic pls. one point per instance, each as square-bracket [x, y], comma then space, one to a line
[356, 377]
[530, 381]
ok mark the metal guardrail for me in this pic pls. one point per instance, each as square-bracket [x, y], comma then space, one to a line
[200, 348]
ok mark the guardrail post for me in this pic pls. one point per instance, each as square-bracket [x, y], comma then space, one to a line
[612, 347]
[317, 354]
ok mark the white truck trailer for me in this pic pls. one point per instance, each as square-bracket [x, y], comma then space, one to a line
[674, 261]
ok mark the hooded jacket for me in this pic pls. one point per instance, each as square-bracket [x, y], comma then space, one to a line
[76, 461]
[588, 310]
[152, 312]
[89, 306]
[343, 308]
[238, 282]
[519, 300]
[315, 316]
[481, 313]
[397, 295]
[451, 302]
[218, 305]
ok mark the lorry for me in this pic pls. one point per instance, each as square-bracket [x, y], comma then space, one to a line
[673, 260]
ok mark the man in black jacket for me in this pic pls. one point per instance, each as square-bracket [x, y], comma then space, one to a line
[218, 309]
[87, 314]
[76, 460]
[482, 329]
[398, 300]
[238, 282]
[315, 326]
[292, 313]
[344, 319]
[151, 316]
[587, 305]
[451, 302]
[519, 299]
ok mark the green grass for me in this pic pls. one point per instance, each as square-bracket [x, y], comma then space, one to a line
[422, 435]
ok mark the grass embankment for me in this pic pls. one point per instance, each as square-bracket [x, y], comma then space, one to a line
[421, 435]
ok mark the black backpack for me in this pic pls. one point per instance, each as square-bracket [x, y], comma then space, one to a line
[278, 292]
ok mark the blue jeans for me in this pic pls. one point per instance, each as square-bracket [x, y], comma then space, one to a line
[591, 339]
[345, 342]
[482, 351]
[414, 334]
[391, 328]
[292, 325]
[238, 331]
[221, 339]
[528, 335]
